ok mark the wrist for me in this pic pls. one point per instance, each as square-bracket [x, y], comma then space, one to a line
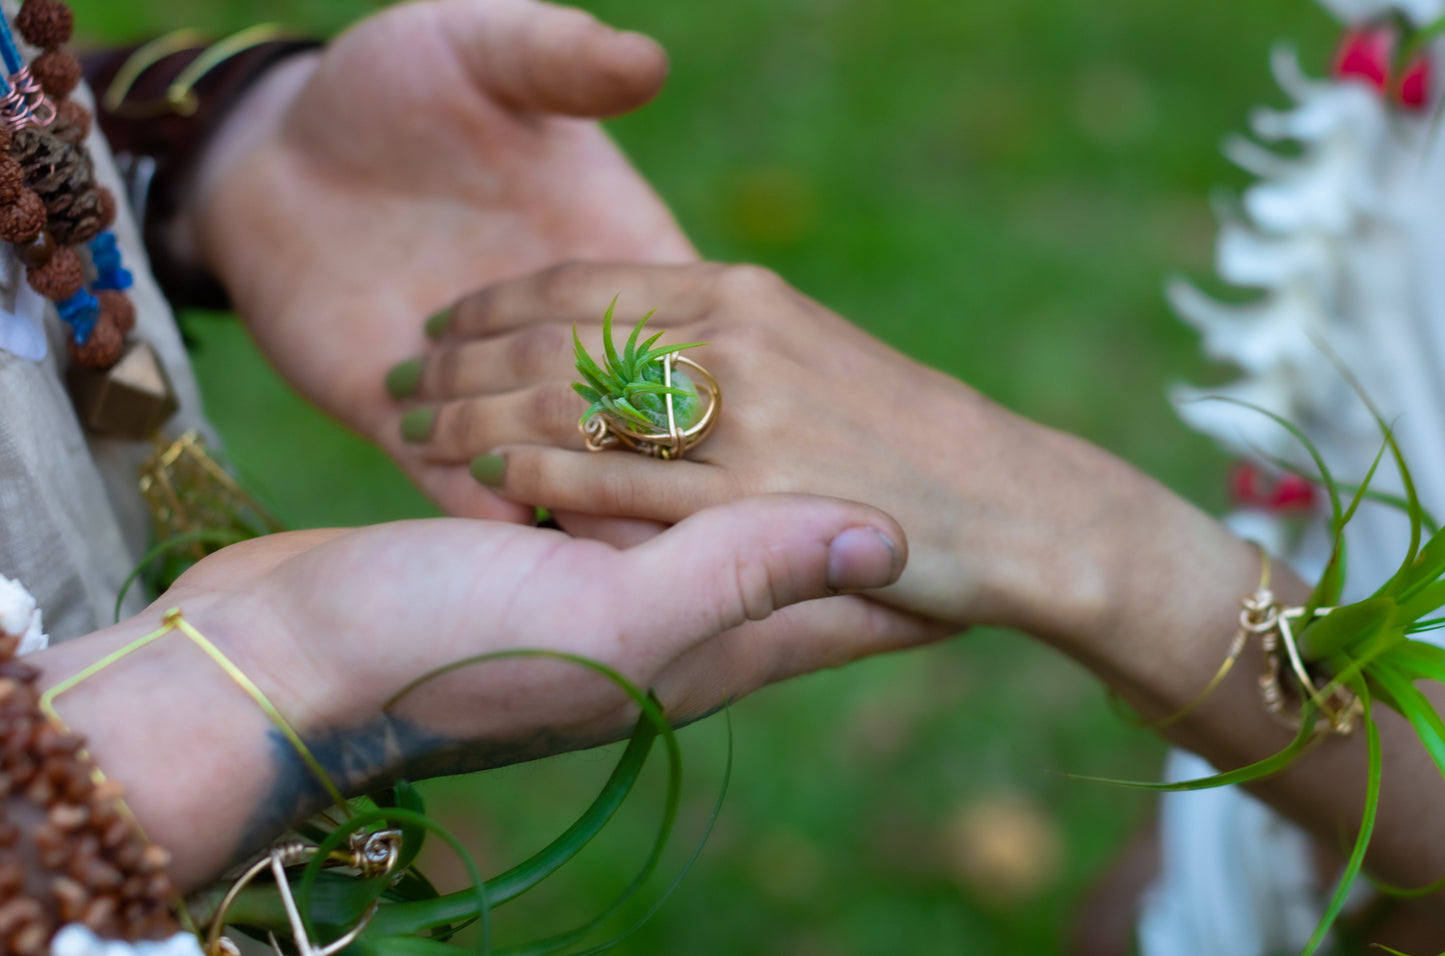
[191, 750]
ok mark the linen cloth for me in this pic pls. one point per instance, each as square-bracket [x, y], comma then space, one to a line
[72, 522]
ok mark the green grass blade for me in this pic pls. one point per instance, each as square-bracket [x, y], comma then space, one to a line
[657, 904]
[1367, 827]
[209, 536]
[1303, 741]
[652, 713]
[455, 907]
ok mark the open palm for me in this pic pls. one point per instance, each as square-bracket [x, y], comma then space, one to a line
[435, 148]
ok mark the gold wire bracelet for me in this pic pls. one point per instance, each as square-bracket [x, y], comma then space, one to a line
[180, 98]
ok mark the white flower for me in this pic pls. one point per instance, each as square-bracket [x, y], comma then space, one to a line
[20, 616]
[77, 940]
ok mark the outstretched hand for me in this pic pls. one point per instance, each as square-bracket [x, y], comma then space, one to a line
[332, 625]
[434, 148]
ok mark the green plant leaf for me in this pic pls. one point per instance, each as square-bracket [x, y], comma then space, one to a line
[1329, 635]
[1303, 742]
[1367, 827]
[629, 354]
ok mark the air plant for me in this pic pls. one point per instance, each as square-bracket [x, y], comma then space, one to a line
[1364, 653]
[630, 388]
[400, 912]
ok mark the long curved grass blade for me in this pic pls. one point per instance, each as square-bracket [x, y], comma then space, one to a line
[209, 536]
[1303, 742]
[1367, 827]
[1331, 583]
[629, 352]
[516, 881]
[670, 807]
[1397, 502]
[388, 921]
[657, 904]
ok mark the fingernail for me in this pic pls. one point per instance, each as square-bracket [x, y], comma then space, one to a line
[490, 470]
[860, 559]
[437, 325]
[417, 424]
[403, 380]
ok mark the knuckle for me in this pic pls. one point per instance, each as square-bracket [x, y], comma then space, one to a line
[459, 427]
[555, 409]
[756, 584]
[561, 284]
[443, 371]
[621, 492]
[745, 282]
[535, 351]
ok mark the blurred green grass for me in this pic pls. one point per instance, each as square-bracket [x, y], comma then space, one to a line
[998, 188]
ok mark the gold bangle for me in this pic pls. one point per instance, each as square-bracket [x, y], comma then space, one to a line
[180, 98]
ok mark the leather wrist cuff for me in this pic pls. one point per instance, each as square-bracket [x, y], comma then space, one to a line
[159, 138]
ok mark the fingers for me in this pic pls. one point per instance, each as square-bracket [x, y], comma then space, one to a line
[491, 366]
[796, 640]
[612, 484]
[538, 57]
[726, 566]
[581, 292]
[456, 431]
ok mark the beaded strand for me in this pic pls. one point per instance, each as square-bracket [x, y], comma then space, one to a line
[50, 204]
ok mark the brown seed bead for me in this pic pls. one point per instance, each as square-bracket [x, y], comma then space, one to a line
[60, 278]
[22, 220]
[12, 180]
[102, 350]
[17, 913]
[57, 72]
[45, 23]
[117, 306]
[32, 940]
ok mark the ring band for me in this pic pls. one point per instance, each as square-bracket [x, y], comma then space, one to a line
[602, 432]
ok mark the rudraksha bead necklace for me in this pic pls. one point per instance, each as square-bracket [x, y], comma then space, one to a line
[51, 208]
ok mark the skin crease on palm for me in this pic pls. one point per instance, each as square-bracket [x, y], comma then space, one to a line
[345, 200]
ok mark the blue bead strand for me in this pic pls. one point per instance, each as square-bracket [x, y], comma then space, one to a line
[110, 269]
[8, 49]
[81, 311]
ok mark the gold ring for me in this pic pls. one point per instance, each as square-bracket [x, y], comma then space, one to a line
[603, 431]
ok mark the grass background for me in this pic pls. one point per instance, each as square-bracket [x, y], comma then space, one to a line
[998, 187]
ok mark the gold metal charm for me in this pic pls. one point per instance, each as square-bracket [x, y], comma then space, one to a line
[188, 493]
[602, 432]
[1286, 684]
[373, 855]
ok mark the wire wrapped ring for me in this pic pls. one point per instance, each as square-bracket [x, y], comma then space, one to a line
[602, 432]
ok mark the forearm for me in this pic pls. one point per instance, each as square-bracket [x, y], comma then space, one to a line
[1167, 628]
[191, 750]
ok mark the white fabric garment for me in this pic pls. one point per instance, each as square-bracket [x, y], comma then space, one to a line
[1342, 242]
[72, 524]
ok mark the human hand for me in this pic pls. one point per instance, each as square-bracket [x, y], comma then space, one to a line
[332, 625]
[1009, 522]
[434, 148]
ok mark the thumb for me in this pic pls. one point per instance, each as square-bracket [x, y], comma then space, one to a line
[543, 58]
[741, 562]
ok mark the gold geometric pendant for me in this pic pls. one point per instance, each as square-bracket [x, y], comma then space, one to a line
[130, 400]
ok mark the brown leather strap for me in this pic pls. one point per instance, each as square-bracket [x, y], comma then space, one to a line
[158, 150]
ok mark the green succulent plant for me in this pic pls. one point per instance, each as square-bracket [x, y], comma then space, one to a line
[629, 386]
